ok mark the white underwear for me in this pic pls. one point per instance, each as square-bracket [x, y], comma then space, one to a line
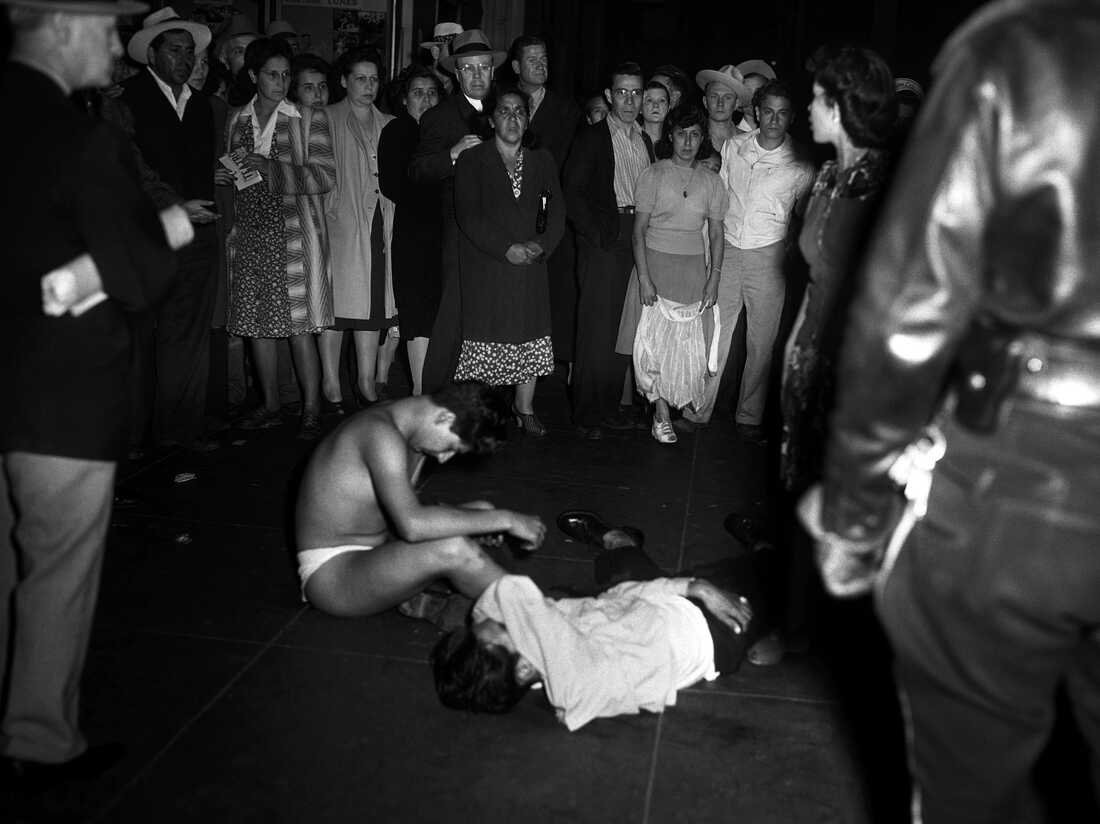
[311, 560]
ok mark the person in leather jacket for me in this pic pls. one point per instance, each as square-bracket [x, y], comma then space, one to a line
[980, 313]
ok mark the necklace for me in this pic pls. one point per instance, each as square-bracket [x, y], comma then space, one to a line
[691, 177]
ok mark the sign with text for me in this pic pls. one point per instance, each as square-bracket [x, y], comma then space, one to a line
[350, 5]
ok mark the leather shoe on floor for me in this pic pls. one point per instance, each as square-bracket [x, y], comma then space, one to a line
[749, 532]
[34, 776]
[590, 433]
[587, 527]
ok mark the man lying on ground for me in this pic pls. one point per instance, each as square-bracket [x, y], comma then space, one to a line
[626, 650]
[365, 542]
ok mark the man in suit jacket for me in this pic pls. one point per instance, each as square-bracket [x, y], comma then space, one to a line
[603, 167]
[554, 121]
[174, 129]
[83, 247]
[446, 132]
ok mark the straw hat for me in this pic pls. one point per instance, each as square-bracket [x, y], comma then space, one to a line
[159, 22]
[729, 76]
[755, 66]
[442, 34]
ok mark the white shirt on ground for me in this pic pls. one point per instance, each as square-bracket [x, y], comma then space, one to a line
[626, 650]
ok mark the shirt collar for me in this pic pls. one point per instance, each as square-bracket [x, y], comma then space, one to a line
[478, 105]
[616, 125]
[754, 141]
[185, 95]
[284, 107]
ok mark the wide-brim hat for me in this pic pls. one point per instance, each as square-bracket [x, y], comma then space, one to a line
[239, 24]
[728, 75]
[281, 27]
[470, 43]
[908, 84]
[159, 22]
[755, 66]
[442, 35]
[119, 8]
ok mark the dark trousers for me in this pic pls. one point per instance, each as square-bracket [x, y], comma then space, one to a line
[54, 514]
[172, 360]
[740, 576]
[562, 267]
[445, 344]
[598, 370]
[993, 602]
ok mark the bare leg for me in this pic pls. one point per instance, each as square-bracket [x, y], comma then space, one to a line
[328, 344]
[386, 352]
[525, 397]
[363, 583]
[418, 348]
[307, 366]
[660, 411]
[266, 356]
[366, 356]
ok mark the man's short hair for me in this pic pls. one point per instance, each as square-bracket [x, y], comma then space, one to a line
[773, 88]
[628, 69]
[524, 41]
[481, 414]
[473, 676]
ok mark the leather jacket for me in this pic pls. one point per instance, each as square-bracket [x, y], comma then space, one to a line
[994, 215]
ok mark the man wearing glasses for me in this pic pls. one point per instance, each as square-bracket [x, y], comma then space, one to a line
[605, 163]
[446, 132]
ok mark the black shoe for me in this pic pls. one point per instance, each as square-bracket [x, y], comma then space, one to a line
[749, 532]
[621, 420]
[752, 433]
[332, 407]
[34, 776]
[590, 433]
[587, 527]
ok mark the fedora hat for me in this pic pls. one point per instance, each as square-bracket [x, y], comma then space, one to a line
[442, 35]
[754, 66]
[116, 8]
[238, 24]
[470, 43]
[281, 27]
[159, 22]
[729, 76]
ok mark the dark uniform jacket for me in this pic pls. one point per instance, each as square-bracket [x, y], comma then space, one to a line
[589, 185]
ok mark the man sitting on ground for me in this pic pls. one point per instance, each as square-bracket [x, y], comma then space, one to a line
[365, 542]
[626, 650]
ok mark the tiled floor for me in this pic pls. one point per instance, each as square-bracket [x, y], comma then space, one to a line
[237, 703]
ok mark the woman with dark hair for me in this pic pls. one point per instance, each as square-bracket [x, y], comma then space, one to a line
[511, 216]
[280, 285]
[417, 220]
[656, 100]
[673, 198]
[853, 110]
[360, 221]
[309, 81]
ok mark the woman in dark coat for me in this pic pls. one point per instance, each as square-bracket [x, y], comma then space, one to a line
[511, 216]
[417, 220]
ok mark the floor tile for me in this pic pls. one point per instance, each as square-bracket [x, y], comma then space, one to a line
[319, 737]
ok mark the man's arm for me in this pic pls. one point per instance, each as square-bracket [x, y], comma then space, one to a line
[433, 159]
[577, 180]
[921, 284]
[385, 453]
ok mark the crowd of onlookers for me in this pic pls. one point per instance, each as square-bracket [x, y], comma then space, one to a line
[491, 223]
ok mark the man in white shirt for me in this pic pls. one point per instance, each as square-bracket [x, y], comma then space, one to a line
[767, 179]
[631, 648]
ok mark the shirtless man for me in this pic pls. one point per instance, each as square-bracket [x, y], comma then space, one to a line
[365, 543]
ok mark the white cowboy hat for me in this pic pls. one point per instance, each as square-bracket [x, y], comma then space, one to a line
[442, 34]
[470, 43]
[159, 22]
[755, 66]
[729, 76]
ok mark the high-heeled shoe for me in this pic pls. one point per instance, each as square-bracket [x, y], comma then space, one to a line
[529, 423]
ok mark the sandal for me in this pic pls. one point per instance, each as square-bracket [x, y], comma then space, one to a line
[529, 423]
